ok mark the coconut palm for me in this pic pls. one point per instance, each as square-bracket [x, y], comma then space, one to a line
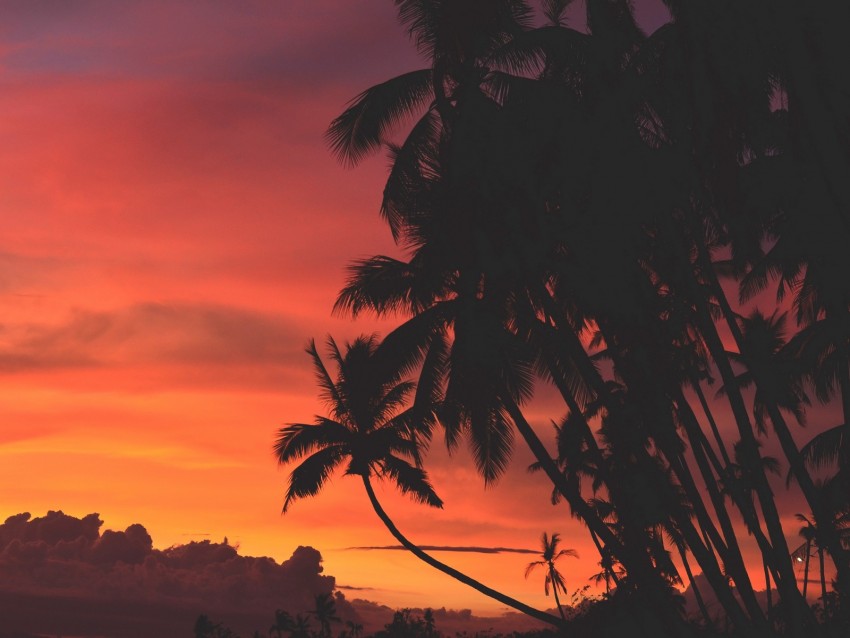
[282, 622]
[370, 433]
[300, 627]
[809, 533]
[325, 613]
[549, 555]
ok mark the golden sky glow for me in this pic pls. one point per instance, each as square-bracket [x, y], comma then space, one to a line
[175, 230]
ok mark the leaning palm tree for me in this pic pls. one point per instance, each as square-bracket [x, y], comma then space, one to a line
[374, 437]
[549, 555]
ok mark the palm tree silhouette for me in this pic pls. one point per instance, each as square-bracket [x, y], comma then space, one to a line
[511, 259]
[300, 627]
[325, 613]
[282, 622]
[809, 533]
[549, 555]
[370, 431]
[355, 630]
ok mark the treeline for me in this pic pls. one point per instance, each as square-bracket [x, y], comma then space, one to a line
[404, 624]
[657, 225]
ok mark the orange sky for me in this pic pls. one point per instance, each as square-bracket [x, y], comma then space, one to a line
[175, 230]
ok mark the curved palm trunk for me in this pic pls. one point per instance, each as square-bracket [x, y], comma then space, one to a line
[450, 571]
[555, 591]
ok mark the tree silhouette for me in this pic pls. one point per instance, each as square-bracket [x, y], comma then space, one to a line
[549, 556]
[325, 613]
[282, 622]
[370, 433]
[569, 202]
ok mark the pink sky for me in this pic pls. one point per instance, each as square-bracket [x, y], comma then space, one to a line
[175, 230]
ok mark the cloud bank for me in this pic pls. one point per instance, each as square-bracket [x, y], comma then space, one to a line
[59, 557]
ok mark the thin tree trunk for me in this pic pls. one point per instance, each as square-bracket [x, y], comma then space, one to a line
[800, 615]
[822, 515]
[700, 602]
[826, 609]
[731, 553]
[466, 580]
[712, 423]
[806, 568]
[702, 552]
[555, 591]
[636, 563]
[767, 589]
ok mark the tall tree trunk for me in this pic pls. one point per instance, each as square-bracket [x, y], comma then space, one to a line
[767, 589]
[555, 591]
[732, 557]
[806, 568]
[659, 617]
[697, 594]
[815, 500]
[826, 609]
[779, 557]
[466, 580]
[712, 423]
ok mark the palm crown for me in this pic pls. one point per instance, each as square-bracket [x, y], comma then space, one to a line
[368, 426]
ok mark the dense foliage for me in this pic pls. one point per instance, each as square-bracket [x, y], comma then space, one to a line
[656, 224]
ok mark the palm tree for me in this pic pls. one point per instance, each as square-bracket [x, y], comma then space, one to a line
[300, 627]
[282, 622]
[809, 533]
[325, 613]
[369, 432]
[355, 630]
[549, 555]
[471, 228]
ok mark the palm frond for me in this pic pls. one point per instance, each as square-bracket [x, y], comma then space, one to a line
[413, 163]
[309, 477]
[491, 442]
[533, 565]
[421, 18]
[823, 449]
[362, 128]
[300, 439]
[393, 400]
[411, 480]
[384, 285]
[329, 392]
[554, 10]
[557, 580]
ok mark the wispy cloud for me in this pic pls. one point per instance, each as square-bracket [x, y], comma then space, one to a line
[453, 548]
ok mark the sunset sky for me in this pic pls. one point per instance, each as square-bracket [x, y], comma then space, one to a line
[174, 231]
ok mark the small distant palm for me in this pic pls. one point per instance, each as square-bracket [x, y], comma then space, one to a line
[325, 613]
[549, 555]
[300, 627]
[282, 622]
[355, 630]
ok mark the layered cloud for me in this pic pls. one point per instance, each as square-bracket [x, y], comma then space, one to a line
[117, 583]
[61, 556]
[154, 333]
